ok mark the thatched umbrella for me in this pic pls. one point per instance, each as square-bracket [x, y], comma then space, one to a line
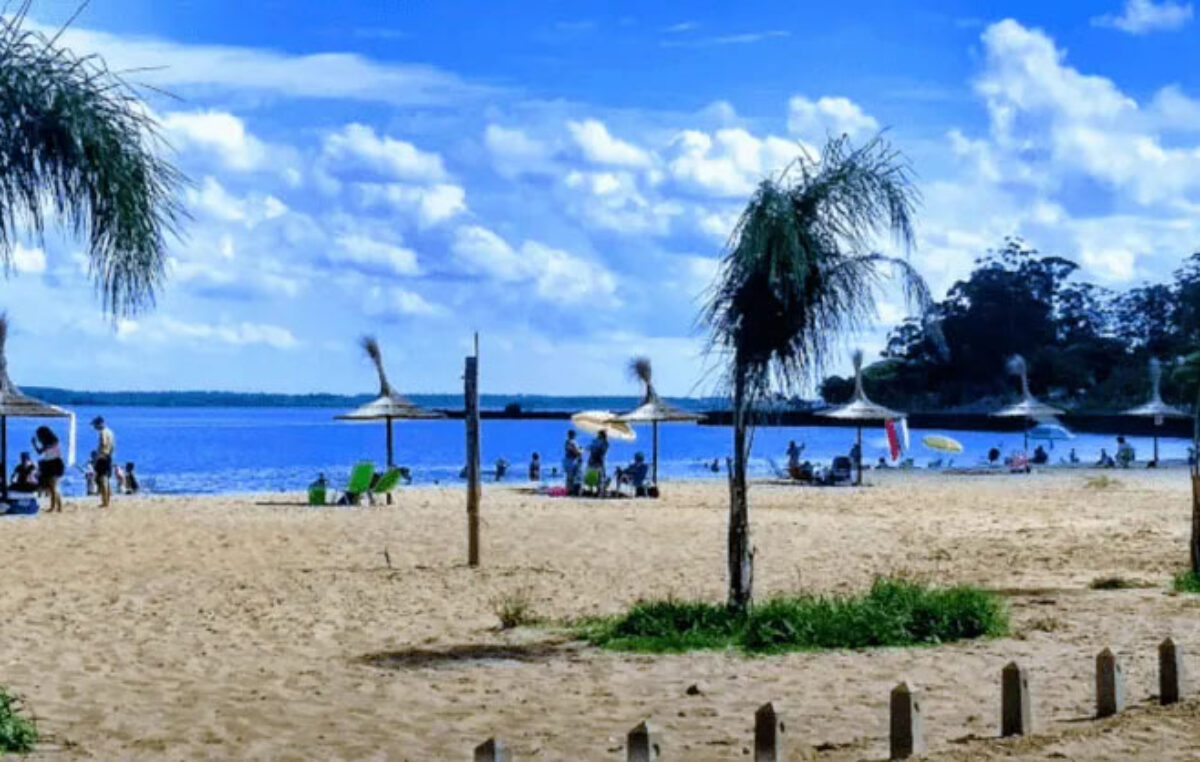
[860, 409]
[1029, 408]
[653, 410]
[15, 404]
[388, 406]
[1155, 408]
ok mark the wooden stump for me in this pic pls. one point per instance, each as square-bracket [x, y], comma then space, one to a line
[907, 732]
[768, 735]
[642, 744]
[1016, 714]
[1110, 685]
[492, 750]
[1171, 679]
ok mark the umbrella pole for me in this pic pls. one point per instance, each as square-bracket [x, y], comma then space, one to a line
[655, 471]
[390, 460]
[1156, 448]
[859, 456]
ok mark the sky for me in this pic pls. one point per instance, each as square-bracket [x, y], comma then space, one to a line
[562, 177]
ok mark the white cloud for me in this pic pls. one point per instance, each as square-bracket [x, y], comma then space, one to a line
[613, 201]
[430, 204]
[600, 147]
[514, 152]
[28, 261]
[218, 134]
[1144, 16]
[813, 120]
[357, 147]
[366, 252]
[729, 162]
[169, 330]
[171, 65]
[211, 199]
[557, 275]
[744, 38]
[392, 302]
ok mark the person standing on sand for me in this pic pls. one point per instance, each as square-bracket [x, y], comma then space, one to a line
[572, 462]
[105, 448]
[50, 466]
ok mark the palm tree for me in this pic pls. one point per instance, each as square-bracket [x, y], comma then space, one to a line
[797, 274]
[78, 146]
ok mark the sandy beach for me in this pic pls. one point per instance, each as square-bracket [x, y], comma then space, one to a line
[245, 628]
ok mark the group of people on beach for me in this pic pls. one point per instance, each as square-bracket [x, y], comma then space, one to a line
[590, 474]
[43, 476]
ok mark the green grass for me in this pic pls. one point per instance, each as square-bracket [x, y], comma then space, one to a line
[892, 613]
[18, 734]
[1186, 582]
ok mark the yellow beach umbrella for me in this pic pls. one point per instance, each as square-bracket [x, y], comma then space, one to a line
[942, 444]
[595, 421]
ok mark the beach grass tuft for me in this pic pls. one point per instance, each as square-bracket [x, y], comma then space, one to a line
[1186, 582]
[893, 612]
[514, 610]
[1101, 482]
[1113, 583]
[18, 734]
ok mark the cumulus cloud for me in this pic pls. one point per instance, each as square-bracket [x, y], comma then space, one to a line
[727, 163]
[212, 200]
[557, 275]
[513, 152]
[218, 134]
[28, 261]
[169, 330]
[394, 303]
[598, 146]
[813, 120]
[614, 201]
[372, 255]
[1145, 16]
[430, 205]
[357, 147]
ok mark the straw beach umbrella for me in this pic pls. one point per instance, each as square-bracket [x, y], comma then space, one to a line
[388, 406]
[15, 404]
[860, 409]
[1155, 408]
[1029, 408]
[653, 410]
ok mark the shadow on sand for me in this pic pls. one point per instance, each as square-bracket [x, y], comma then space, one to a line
[474, 654]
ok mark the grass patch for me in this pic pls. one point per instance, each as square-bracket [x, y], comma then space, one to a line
[18, 734]
[1186, 582]
[1101, 482]
[514, 610]
[892, 613]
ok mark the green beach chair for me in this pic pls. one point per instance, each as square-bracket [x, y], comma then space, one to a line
[388, 482]
[359, 484]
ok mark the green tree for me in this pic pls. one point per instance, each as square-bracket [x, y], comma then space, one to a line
[77, 145]
[798, 273]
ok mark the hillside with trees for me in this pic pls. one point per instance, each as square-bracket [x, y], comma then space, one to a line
[1087, 346]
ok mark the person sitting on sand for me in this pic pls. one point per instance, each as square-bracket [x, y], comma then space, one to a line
[132, 486]
[535, 468]
[635, 475]
[1105, 460]
[50, 466]
[994, 456]
[24, 476]
[715, 466]
[1040, 456]
[1125, 453]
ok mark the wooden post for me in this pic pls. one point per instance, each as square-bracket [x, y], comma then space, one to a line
[4, 455]
[642, 744]
[1110, 685]
[391, 457]
[768, 735]
[654, 476]
[471, 404]
[907, 732]
[1016, 716]
[1171, 678]
[858, 465]
[492, 750]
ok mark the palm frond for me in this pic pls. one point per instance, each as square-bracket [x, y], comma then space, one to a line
[640, 369]
[370, 345]
[799, 273]
[78, 145]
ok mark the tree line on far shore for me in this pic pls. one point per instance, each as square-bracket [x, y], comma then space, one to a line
[1088, 346]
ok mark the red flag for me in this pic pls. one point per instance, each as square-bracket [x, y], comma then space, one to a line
[893, 438]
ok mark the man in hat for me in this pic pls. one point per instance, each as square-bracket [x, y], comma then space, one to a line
[105, 447]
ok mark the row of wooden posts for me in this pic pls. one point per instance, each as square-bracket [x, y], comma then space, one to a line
[907, 735]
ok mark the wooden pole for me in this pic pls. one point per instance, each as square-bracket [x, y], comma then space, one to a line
[859, 463]
[655, 479]
[4, 454]
[391, 460]
[471, 405]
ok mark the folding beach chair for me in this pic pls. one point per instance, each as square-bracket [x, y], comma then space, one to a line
[386, 484]
[359, 484]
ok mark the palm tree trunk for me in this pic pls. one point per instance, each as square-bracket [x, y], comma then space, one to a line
[741, 557]
[1195, 543]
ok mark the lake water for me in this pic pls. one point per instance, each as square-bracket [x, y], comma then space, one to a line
[215, 450]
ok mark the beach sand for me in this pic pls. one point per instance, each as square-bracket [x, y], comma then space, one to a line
[228, 628]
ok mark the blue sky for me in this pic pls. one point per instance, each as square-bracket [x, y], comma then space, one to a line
[562, 176]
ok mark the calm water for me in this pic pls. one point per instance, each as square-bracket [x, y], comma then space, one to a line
[193, 450]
